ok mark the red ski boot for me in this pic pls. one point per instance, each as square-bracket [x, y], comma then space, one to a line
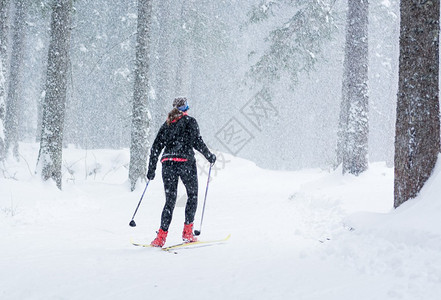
[187, 234]
[160, 239]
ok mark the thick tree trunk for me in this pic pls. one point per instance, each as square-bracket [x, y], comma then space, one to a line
[417, 136]
[14, 101]
[2, 112]
[140, 115]
[4, 30]
[4, 13]
[56, 86]
[352, 148]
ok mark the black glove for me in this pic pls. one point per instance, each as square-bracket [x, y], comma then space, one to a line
[150, 175]
[212, 158]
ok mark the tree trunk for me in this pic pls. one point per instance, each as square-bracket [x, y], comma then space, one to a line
[4, 31]
[14, 101]
[417, 135]
[2, 112]
[4, 13]
[140, 115]
[56, 86]
[352, 147]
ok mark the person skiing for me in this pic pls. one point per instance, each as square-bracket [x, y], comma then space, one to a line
[179, 135]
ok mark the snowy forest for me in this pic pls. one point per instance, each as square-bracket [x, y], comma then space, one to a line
[323, 115]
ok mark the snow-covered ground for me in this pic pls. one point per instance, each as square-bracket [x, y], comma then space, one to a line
[309, 234]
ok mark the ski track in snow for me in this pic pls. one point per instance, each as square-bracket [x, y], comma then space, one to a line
[309, 234]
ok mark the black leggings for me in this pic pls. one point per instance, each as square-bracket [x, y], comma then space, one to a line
[171, 171]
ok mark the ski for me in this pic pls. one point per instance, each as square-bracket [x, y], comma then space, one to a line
[183, 245]
[191, 244]
[142, 245]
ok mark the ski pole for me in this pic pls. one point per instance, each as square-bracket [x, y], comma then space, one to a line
[132, 222]
[198, 232]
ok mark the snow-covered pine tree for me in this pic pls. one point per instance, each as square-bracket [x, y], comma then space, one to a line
[140, 114]
[417, 135]
[13, 99]
[2, 111]
[4, 12]
[296, 45]
[352, 144]
[55, 95]
[4, 29]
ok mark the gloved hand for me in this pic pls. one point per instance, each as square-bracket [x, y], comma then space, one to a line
[150, 175]
[212, 158]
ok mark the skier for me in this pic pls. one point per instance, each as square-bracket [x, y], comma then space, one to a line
[178, 135]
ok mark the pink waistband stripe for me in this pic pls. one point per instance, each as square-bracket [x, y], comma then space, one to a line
[174, 159]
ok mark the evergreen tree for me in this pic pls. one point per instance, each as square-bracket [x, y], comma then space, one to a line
[14, 96]
[296, 45]
[352, 147]
[55, 95]
[417, 135]
[2, 111]
[140, 114]
[4, 12]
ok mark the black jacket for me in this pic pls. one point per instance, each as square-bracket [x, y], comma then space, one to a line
[179, 138]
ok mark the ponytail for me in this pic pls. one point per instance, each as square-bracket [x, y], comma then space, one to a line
[173, 115]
